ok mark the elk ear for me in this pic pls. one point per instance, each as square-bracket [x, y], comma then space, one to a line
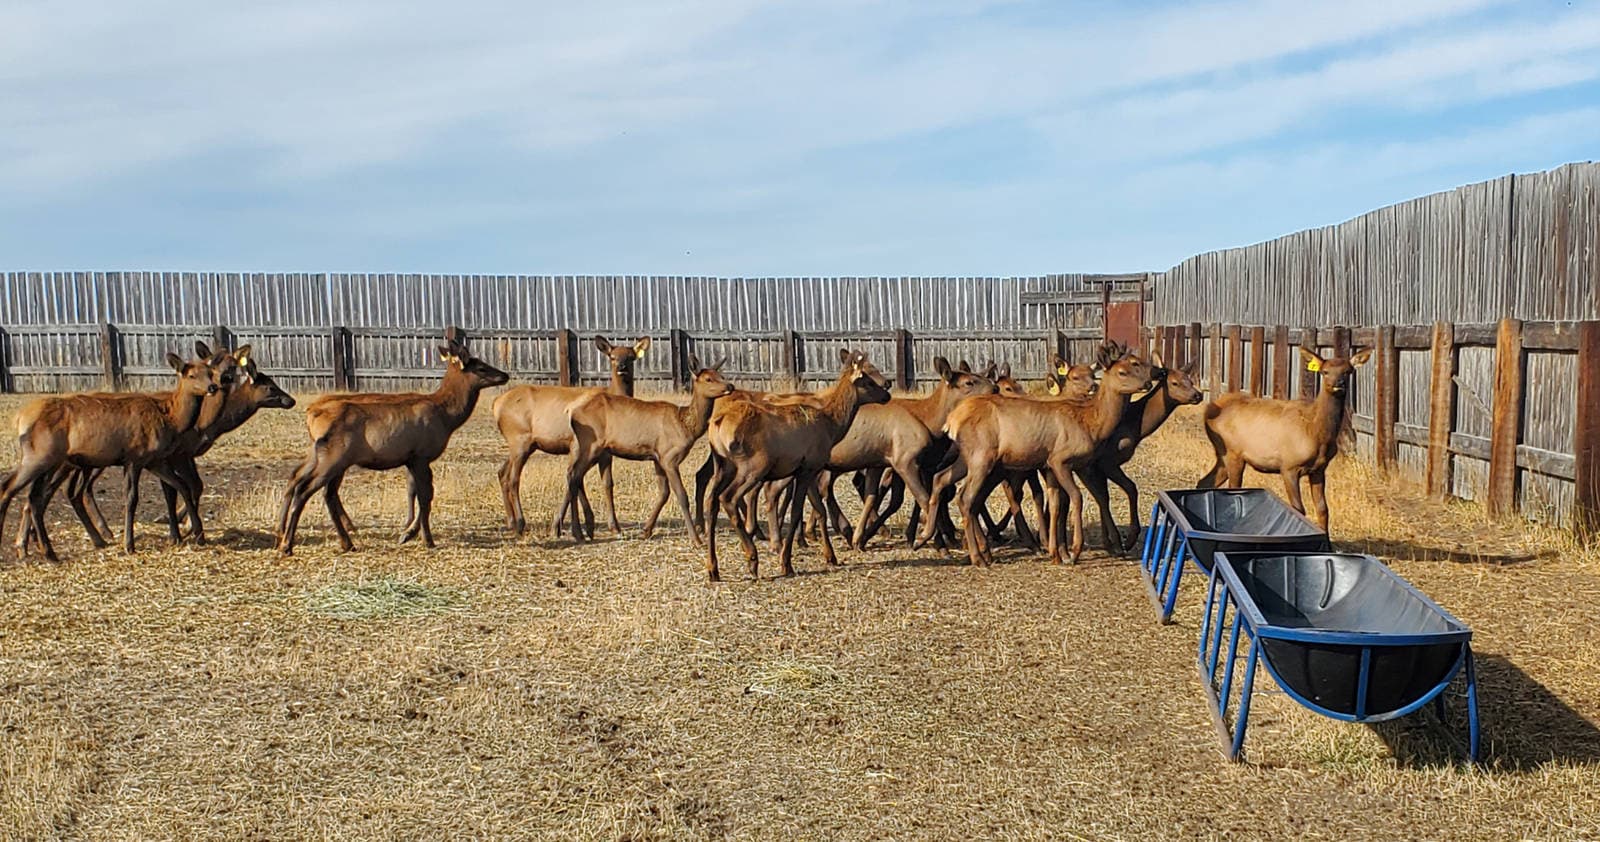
[1313, 362]
[201, 351]
[1191, 369]
[1004, 370]
[845, 357]
[1054, 386]
[1361, 357]
[641, 346]
[601, 344]
[694, 363]
[1061, 366]
[176, 362]
[242, 354]
[717, 366]
[964, 367]
[941, 366]
[990, 370]
[447, 354]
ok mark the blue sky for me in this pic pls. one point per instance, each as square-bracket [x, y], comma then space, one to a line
[755, 138]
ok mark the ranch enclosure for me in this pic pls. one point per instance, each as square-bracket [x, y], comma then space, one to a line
[1479, 301]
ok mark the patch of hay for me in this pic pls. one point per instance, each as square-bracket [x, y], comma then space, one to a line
[382, 598]
[793, 678]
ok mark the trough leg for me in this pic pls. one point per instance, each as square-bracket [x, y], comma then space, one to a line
[1242, 720]
[1473, 743]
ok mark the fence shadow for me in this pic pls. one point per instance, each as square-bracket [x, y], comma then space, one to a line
[1524, 724]
[1385, 548]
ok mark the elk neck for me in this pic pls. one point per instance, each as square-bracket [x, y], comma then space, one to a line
[183, 409]
[622, 380]
[457, 396]
[696, 416]
[934, 409]
[1105, 412]
[840, 402]
[1327, 412]
[1153, 408]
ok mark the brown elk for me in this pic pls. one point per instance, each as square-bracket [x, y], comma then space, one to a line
[534, 418]
[138, 431]
[243, 389]
[1292, 438]
[1174, 387]
[1054, 436]
[755, 442]
[382, 432]
[606, 425]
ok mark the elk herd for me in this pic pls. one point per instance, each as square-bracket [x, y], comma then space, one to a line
[769, 454]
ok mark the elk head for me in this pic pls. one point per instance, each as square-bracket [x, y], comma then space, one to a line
[870, 384]
[964, 383]
[1006, 384]
[623, 357]
[1070, 380]
[1127, 376]
[708, 382]
[457, 358]
[194, 378]
[1335, 371]
[1179, 382]
[265, 392]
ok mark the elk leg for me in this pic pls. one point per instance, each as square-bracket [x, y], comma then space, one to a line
[297, 481]
[777, 501]
[169, 499]
[23, 475]
[336, 513]
[131, 474]
[681, 494]
[662, 492]
[1131, 489]
[511, 486]
[894, 498]
[715, 485]
[702, 480]
[1095, 481]
[316, 477]
[796, 502]
[1235, 466]
[1318, 481]
[422, 480]
[172, 484]
[582, 457]
[869, 488]
[80, 496]
[195, 485]
[611, 497]
[841, 524]
[1014, 491]
[25, 531]
[39, 500]
[968, 501]
[814, 494]
[1075, 502]
[943, 485]
[1291, 488]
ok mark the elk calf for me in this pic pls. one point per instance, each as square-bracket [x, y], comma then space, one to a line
[606, 425]
[137, 431]
[382, 432]
[534, 418]
[1294, 439]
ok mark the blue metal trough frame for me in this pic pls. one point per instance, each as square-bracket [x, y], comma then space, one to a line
[1190, 525]
[1354, 675]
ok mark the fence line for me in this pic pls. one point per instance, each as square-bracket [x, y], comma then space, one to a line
[1505, 412]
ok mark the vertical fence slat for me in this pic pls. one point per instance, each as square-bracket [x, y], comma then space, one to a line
[1441, 409]
[1386, 397]
[1586, 435]
[1509, 361]
[1281, 366]
[1258, 360]
[1235, 356]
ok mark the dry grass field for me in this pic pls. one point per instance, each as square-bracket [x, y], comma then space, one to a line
[516, 689]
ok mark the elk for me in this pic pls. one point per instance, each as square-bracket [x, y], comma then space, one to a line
[534, 418]
[382, 432]
[1292, 438]
[894, 436]
[96, 430]
[243, 389]
[1053, 435]
[606, 425]
[756, 442]
[1174, 387]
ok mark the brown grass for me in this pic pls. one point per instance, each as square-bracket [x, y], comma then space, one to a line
[605, 691]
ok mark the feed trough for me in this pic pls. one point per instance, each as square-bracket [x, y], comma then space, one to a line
[1195, 524]
[1342, 634]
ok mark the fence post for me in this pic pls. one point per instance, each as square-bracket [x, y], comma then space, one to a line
[221, 339]
[455, 334]
[1235, 356]
[5, 362]
[1386, 400]
[1195, 349]
[1063, 347]
[1214, 359]
[343, 379]
[1586, 436]
[792, 359]
[567, 365]
[1506, 425]
[903, 375]
[111, 356]
[1258, 360]
[1174, 345]
[1281, 366]
[678, 357]
[1308, 379]
[1441, 409]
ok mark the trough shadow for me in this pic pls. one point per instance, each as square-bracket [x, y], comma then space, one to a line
[1386, 549]
[1524, 725]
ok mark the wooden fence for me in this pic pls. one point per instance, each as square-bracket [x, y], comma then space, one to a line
[1505, 412]
[64, 358]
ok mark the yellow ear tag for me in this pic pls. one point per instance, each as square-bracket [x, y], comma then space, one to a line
[1063, 370]
[638, 354]
[1313, 365]
[1055, 388]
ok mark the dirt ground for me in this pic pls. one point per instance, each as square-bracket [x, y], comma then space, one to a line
[607, 691]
